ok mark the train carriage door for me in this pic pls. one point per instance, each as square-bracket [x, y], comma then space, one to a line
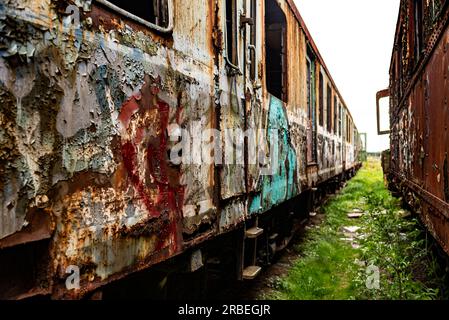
[311, 112]
[251, 23]
[239, 108]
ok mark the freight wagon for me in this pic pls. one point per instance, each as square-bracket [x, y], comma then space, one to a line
[416, 165]
[167, 134]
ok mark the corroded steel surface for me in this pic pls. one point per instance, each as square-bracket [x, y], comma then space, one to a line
[88, 106]
[419, 91]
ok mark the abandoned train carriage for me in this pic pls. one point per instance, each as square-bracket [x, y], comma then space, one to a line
[417, 164]
[93, 95]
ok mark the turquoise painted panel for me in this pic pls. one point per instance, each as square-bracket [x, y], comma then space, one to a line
[281, 186]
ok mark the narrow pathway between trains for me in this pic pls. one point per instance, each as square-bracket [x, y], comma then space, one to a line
[360, 245]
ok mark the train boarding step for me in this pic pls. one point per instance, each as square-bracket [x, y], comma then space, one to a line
[254, 233]
[251, 272]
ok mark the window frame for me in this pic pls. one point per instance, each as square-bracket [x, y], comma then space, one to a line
[335, 109]
[436, 9]
[310, 87]
[321, 100]
[329, 108]
[283, 95]
[347, 128]
[418, 30]
[232, 54]
[311, 105]
[131, 16]
[340, 119]
[253, 40]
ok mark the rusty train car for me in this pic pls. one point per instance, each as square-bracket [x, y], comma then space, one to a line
[416, 166]
[104, 168]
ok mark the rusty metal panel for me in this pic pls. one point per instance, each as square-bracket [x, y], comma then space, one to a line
[417, 133]
[419, 115]
[436, 113]
[282, 185]
[85, 114]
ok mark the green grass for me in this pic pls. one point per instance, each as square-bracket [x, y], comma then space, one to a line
[329, 268]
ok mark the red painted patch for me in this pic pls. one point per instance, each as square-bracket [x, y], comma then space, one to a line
[157, 190]
[128, 109]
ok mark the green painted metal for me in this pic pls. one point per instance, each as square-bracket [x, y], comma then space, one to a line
[282, 185]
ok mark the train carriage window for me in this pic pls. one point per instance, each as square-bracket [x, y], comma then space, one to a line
[329, 108]
[153, 13]
[275, 47]
[231, 32]
[253, 40]
[418, 14]
[321, 89]
[311, 107]
[435, 6]
[335, 114]
[340, 120]
[350, 131]
[347, 128]
[309, 81]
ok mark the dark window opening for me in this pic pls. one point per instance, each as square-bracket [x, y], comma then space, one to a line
[312, 155]
[231, 31]
[154, 11]
[275, 45]
[351, 132]
[436, 8]
[329, 109]
[321, 89]
[335, 114]
[340, 119]
[253, 40]
[418, 29]
[309, 88]
[347, 128]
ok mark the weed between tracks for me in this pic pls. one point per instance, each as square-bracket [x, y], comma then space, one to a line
[331, 266]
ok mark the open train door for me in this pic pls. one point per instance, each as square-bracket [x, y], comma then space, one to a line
[231, 118]
[381, 96]
[241, 116]
[240, 107]
[382, 100]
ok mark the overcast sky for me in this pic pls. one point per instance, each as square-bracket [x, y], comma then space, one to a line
[355, 39]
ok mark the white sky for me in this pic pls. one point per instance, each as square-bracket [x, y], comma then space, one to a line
[355, 39]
